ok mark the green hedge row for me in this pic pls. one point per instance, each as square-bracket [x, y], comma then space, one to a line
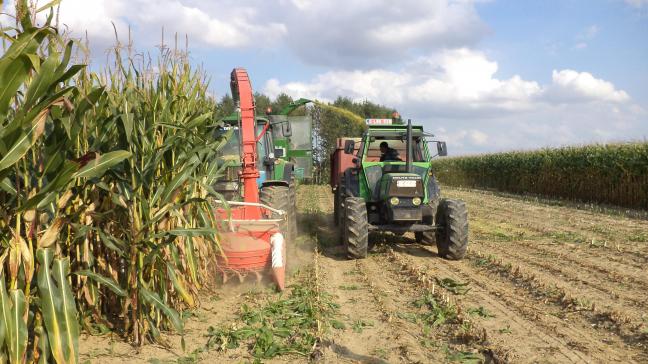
[612, 173]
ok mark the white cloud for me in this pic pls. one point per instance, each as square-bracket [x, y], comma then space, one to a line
[370, 33]
[340, 33]
[457, 95]
[637, 3]
[571, 86]
[453, 79]
[223, 23]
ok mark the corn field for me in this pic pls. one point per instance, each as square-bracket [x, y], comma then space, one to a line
[105, 220]
[612, 173]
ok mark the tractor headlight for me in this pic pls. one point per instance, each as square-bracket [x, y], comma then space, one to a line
[394, 201]
[416, 201]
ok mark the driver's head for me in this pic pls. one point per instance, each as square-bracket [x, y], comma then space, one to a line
[384, 147]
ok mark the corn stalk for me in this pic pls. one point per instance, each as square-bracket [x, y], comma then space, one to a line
[105, 220]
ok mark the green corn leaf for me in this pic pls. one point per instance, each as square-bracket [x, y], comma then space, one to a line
[42, 82]
[101, 164]
[191, 261]
[179, 286]
[108, 282]
[12, 76]
[5, 309]
[43, 345]
[155, 300]
[189, 232]
[7, 186]
[70, 324]
[175, 183]
[51, 190]
[26, 139]
[48, 5]
[17, 333]
[51, 302]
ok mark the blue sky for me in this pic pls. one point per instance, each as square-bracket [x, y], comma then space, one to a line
[484, 75]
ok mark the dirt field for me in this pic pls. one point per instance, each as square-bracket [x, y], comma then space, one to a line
[541, 283]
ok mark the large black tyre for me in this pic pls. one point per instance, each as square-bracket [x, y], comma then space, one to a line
[425, 237]
[278, 197]
[356, 228]
[452, 238]
[292, 214]
[338, 207]
[428, 237]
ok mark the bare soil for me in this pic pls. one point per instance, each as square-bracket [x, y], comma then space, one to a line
[542, 283]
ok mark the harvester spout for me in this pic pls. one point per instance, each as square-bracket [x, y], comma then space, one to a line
[242, 94]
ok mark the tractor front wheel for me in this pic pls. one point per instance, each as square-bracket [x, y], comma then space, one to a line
[427, 237]
[452, 235]
[356, 228]
[278, 197]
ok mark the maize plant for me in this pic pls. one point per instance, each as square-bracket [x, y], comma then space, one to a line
[610, 173]
[105, 219]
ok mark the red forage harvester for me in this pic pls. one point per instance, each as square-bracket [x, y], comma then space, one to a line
[251, 241]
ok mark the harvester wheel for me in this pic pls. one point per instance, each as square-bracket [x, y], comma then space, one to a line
[452, 238]
[278, 197]
[356, 228]
[292, 212]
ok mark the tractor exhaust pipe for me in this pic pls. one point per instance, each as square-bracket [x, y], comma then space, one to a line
[408, 160]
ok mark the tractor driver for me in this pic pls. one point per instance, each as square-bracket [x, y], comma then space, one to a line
[387, 153]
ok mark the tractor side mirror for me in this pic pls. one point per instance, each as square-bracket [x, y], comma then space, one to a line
[278, 152]
[442, 149]
[286, 129]
[349, 146]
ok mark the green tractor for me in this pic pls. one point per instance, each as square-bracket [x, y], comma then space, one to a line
[276, 180]
[384, 182]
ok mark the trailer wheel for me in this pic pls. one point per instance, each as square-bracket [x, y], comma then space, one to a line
[452, 237]
[278, 197]
[356, 228]
[338, 207]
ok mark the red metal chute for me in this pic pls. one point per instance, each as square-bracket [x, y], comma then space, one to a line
[252, 242]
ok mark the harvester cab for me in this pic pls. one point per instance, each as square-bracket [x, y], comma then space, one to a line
[254, 229]
[294, 134]
[384, 182]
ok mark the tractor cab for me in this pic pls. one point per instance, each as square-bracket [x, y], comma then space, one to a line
[397, 174]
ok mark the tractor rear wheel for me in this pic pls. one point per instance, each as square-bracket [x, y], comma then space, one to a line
[278, 197]
[356, 228]
[452, 237]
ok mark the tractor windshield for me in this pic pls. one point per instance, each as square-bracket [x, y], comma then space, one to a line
[232, 146]
[396, 150]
